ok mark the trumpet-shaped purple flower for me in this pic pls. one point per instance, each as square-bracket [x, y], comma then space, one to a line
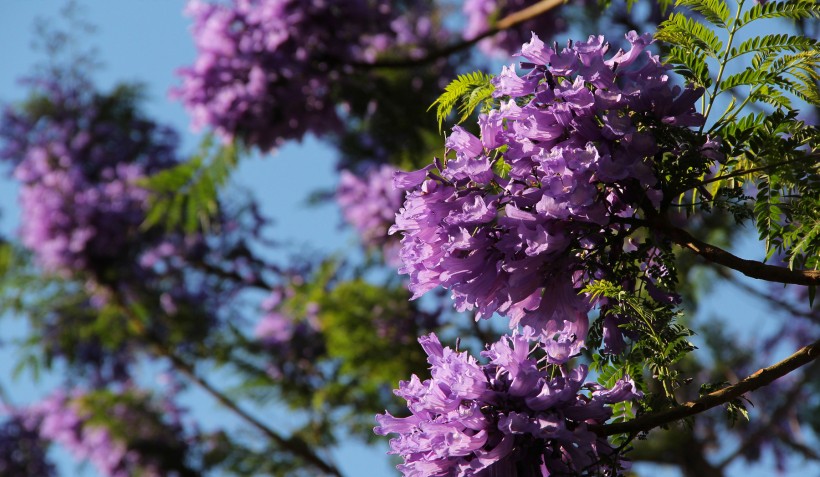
[472, 417]
[579, 157]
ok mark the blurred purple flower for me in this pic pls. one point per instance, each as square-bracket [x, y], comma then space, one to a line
[370, 204]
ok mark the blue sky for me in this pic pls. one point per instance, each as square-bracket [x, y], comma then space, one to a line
[146, 41]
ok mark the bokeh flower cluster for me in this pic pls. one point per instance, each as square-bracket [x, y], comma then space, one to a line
[369, 203]
[130, 440]
[268, 71]
[79, 157]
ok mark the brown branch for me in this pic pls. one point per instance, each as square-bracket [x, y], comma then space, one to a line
[772, 300]
[295, 445]
[505, 23]
[760, 378]
[766, 429]
[750, 268]
[292, 444]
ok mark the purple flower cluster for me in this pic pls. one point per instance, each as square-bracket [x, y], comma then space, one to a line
[575, 135]
[59, 418]
[275, 329]
[480, 12]
[80, 156]
[70, 420]
[370, 204]
[293, 343]
[22, 451]
[79, 164]
[267, 70]
[508, 413]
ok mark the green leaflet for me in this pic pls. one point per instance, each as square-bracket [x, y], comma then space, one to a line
[186, 196]
[790, 9]
[691, 34]
[466, 92]
[715, 12]
[774, 44]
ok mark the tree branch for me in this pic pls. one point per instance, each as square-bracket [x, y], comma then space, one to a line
[750, 268]
[760, 378]
[505, 23]
[766, 429]
[775, 302]
[292, 444]
[295, 445]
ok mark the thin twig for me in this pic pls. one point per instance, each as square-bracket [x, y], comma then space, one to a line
[505, 23]
[292, 444]
[774, 301]
[766, 429]
[760, 378]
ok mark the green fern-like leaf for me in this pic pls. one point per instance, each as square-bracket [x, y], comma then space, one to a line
[468, 91]
[804, 67]
[808, 244]
[691, 65]
[771, 96]
[689, 33]
[477, 97]
[768, 212]
[774, 44]
[751, 76]
[796, 73]
[789, 9]
[715, 12]
[185, 196]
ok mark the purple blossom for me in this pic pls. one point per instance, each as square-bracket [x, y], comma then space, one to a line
[80, 156]
[69, 419]
[60, 419]
[472, 417]
[515, 244]
[266, 70]
[79, 165]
